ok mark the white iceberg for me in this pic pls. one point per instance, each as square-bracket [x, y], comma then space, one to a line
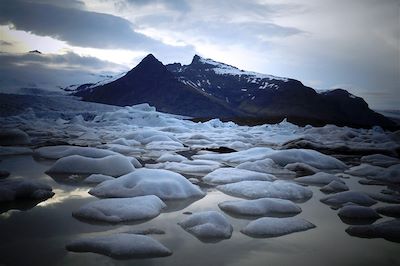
[252, 154]
[114, 165]
[196, 167]
[260, 207]
[121, 246]
[265, 189]
[310, 157]
[97, 178]
[162, 183]
[57, 152]
[334, 187]
[232, 175]
[267, 166]
[273, 227]
[208, 226]
[22, 188]
[169, 157]
[121, 210]
[320, 178]
[341, 198]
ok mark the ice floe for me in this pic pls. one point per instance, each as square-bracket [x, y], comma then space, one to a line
[320, 178]
[13, 136]
[232, 175]
[22, 188]
[121, 210]
[120, 246]
[390, 174]
[14, 150]
[274, 227]
[334, 187]
[380, 160]
[301, 169]
[267, 166]
[169, 157]
[389, 230]
[341, 198]
[208, 226]
[57, 152]
[97, 178]
[358, 212]
[390, 210]
[114, 165]
[261, 207]
[266, 189]
[162, 183]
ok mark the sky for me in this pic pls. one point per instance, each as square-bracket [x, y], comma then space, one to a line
[326, 44]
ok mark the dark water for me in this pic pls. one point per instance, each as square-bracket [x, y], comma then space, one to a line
[37, 236]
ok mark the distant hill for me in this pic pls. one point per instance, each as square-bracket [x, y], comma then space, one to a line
[209, 89]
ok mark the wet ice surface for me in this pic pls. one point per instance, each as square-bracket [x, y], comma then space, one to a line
[37, 232]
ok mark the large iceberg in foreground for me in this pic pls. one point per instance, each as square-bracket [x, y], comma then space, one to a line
[260, 207]
[207, 226]
[22, 188]
[273, 227]
[265, 189]
[114, 165]
[121, 210]
[232, 175]
[121, 246]
[389, 230]
[162, 183]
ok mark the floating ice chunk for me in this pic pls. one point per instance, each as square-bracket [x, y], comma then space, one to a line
[377, 173]
[197, 167]
[311, 157]
[114, 165]
[57, 152]
[320, 178]
[232, 175]
[121, 246]
[273, 227]
[265, 166]
[121, 210]
[13, 136]
[384, 197]
[380, 160]
[358, 212]
[260, 207]
[168, 157]
[11, 150]
[208, 226]
[302, 168]
[162, 183]
[164, 145]
[389, 230]
[391, 210]
[334, 187]
[97, 178]
[265, 189]
[22, 188]
[341, 198]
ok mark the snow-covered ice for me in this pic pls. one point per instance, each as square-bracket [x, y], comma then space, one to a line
[162, 183]
[358, 212]
[341, 198]
[207, 226]
[232, 175]
[120, 246]
[121, 210]
[302, 169]
[265, 189]
[57, 152]
[389, 174]
[380, 160]
[274, 227]
[260, 207]
[320, 178]
[97, 178]
[23, 188]
[267, 166]
[334, 187]
[114, 165]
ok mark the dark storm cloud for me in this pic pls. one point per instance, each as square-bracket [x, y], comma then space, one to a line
[76, 27]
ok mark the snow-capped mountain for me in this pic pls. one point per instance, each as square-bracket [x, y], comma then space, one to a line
[208, 89]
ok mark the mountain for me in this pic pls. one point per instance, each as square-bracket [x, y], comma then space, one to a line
[208, 89]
